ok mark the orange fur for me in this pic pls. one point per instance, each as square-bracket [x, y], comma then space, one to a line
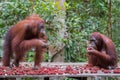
[105, 56]
[23, 36]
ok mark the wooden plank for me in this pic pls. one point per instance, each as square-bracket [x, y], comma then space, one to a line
[95, 75]
[66, 75]
[54, 63]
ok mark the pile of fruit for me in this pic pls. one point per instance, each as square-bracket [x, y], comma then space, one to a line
[56, 70]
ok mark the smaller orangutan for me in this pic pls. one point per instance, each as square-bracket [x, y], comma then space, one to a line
[21, 37]
[101, 51]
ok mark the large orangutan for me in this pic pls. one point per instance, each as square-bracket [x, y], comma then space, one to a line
[26, 34]
[101, 51]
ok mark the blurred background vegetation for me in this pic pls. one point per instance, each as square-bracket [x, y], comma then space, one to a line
[82, 17]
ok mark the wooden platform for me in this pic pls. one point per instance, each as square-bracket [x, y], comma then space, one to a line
[63, 65]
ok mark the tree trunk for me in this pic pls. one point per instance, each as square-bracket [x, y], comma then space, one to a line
[56, 53]
[109, 19]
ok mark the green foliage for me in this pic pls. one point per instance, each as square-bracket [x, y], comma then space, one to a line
[116, 24]
[12, 12]
[82, 18]
[48, 11]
